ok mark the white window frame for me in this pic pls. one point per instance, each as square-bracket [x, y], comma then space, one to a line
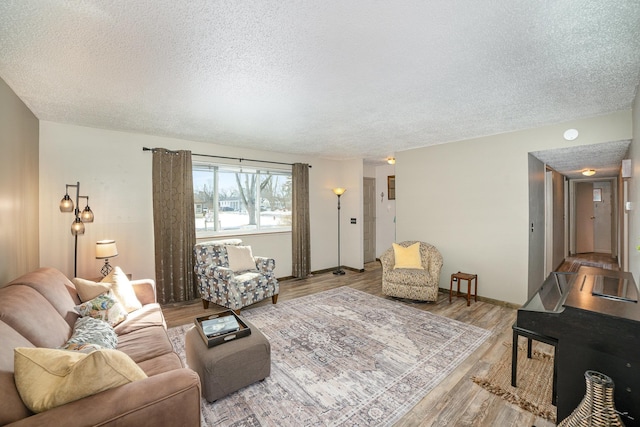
[215, 168]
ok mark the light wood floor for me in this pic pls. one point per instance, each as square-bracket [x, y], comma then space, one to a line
[457, 401]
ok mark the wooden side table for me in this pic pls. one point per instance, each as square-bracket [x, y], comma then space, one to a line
[468, 277]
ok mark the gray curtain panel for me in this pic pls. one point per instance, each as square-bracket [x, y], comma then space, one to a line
[174, 225]
[300, 228]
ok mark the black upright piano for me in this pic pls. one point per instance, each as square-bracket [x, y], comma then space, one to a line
[593, 319]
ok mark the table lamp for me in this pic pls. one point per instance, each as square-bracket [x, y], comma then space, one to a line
[106, 249]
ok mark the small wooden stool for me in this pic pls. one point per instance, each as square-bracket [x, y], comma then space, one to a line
[468, 277]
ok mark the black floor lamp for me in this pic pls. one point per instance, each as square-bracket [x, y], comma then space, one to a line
[77, 227]
[339, 192]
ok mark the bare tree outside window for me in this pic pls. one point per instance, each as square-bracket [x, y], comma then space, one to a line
[231, 199]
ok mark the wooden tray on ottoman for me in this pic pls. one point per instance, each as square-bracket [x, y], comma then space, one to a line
[220, 338]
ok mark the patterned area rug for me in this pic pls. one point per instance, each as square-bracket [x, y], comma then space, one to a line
[534, 381]
[343, 357]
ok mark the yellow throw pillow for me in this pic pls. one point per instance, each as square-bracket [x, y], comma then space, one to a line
[123, 290]
[88, 289]
[47, 377]
[408, 257]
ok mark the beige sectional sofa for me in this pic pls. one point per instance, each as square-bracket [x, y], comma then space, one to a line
[38, 310]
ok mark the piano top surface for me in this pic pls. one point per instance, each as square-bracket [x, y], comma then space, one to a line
[618, 297]
[606, 324]
[551, 295]
[591, 289]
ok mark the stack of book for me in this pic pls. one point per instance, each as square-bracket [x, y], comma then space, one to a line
[220, 326]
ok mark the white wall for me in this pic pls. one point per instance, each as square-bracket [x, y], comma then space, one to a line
[385, 211]
[324, 214]
[470, 199]
[116, 174]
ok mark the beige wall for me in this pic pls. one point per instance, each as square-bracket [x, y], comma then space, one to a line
[18, 186]
[116, 174]
[470, 199]
[634, 193]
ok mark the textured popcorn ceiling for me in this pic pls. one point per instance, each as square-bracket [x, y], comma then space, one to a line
[336, 78]
[605, 158]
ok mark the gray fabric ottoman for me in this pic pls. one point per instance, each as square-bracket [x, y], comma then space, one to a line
[231, 366]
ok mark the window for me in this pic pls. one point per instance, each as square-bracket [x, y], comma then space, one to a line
[233, 199]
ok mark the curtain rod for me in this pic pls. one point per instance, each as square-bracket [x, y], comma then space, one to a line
[222, 157]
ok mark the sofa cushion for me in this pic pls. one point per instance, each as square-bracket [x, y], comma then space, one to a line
[160, 364]
[148, 315]
[103, 307]
[92, 331]
[408, 276]
[47, 378]
[55, 288]
[123, 290]
[32, 316]
[11, 406]
[144, 344]
[408, 257]
[88, 289]
[240, 258]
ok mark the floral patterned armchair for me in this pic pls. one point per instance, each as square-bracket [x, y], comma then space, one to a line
[421, 285]
[220, 284]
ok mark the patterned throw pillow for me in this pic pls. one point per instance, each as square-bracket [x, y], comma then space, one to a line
[104, 307]
[88, 330]
[81, 348]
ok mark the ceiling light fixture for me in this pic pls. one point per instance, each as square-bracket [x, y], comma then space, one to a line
[391, 160]
[570, 134]
[589, 172]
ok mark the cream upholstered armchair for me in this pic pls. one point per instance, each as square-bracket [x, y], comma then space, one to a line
[412, 283]
[229, 275]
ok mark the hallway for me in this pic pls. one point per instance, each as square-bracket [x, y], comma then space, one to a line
[572, 263]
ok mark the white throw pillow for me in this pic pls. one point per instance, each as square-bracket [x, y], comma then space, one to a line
[123, 290]
[88, 289]
[240, 258]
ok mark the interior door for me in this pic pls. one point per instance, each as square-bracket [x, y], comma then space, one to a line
[602, 211]
[369, 220]
[584, 218]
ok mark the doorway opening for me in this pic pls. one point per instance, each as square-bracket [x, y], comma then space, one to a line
[593, 216]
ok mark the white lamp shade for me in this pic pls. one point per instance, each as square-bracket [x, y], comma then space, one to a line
[339, 191]
[106, 249]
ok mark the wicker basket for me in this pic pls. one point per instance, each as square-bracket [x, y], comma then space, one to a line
[597, 408]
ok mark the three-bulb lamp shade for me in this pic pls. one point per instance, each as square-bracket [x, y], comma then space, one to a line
[77, 227]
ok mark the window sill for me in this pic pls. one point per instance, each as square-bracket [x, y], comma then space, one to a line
[231, 234]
